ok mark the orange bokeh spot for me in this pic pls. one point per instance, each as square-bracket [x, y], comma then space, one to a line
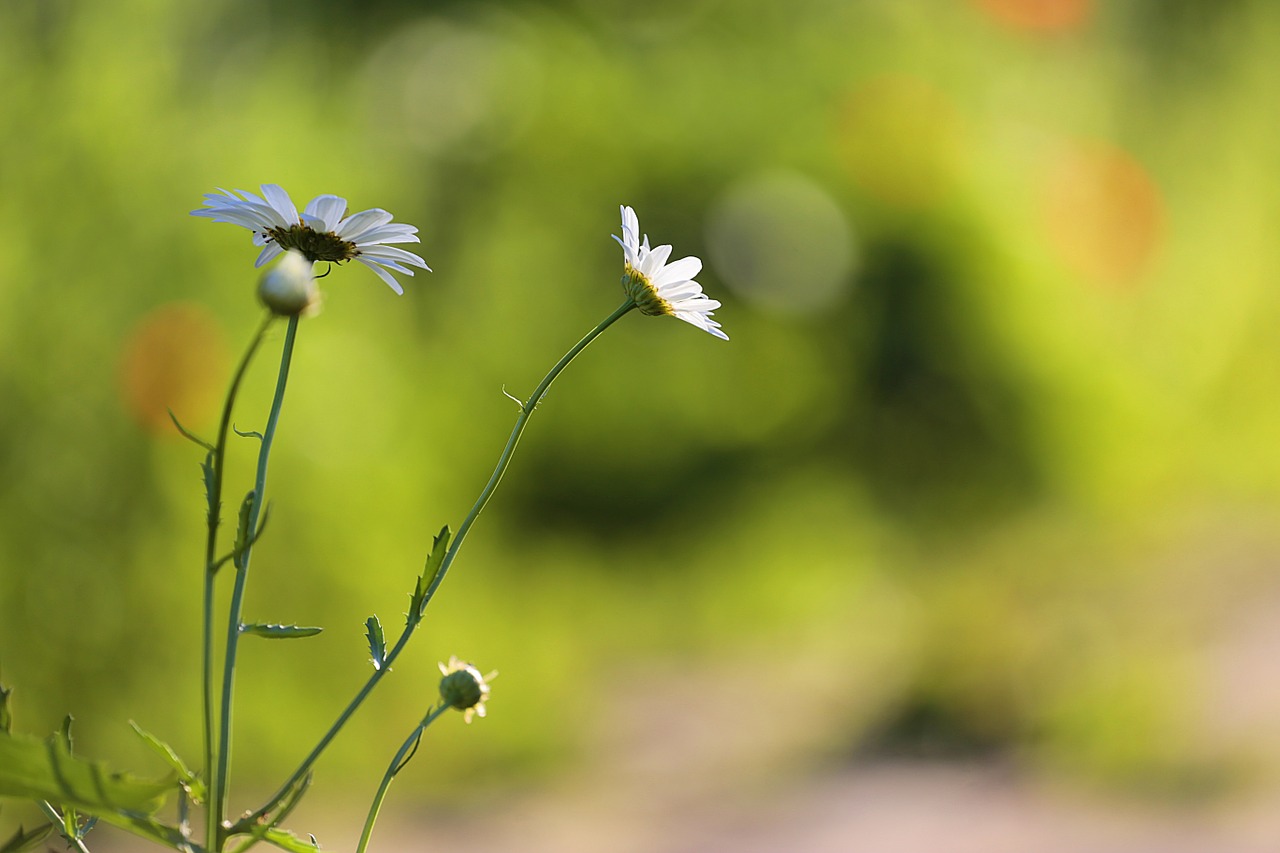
[1103, 213]
[899, 139]
[1040, 16]
[175, 358]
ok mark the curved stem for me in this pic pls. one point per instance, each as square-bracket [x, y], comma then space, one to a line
[526, 411]
[211, 550]
[219, 796]
[399, 761]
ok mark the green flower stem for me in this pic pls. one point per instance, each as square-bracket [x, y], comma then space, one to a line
[211, 545]
[526, 411]
[401, 759]
[219, 796]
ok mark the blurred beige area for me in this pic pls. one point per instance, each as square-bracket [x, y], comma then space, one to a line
[966, 541]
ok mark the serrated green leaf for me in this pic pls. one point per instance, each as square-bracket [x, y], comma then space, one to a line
[272, 631]
[35, 769]
[418, 601]
[22, 840]
[210, 498]
[377, 642]
[194, 786]
[6, 715]
[286, 840]
[242, 529]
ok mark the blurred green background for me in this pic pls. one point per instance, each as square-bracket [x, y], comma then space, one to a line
[988, 468]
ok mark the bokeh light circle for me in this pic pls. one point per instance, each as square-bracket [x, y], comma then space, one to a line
[781, 241]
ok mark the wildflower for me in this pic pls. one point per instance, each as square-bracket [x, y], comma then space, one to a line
[323, 231]
[658, 287]
[289, 287]
[464, 688]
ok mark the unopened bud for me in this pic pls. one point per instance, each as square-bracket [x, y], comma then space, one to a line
[289, 288]
[464, 688]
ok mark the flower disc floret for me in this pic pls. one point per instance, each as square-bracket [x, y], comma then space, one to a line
[659, 288]
[321, 232]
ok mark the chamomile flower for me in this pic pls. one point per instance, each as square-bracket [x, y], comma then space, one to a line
[658, 287]
[322, 232]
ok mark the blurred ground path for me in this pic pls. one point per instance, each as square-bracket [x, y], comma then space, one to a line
[885, 808]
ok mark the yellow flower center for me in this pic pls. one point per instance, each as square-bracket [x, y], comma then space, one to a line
[314, 245]
[642, 292]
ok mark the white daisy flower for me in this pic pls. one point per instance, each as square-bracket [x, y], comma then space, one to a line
[658, 287]
[322, 232]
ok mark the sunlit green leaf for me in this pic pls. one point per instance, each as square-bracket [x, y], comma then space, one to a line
[242, 529]
[377, 642]
[195, 787]
[439, 546]
[34, 769]
[272, 631]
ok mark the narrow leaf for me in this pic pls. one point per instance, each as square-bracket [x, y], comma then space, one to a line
[6, 716]
[242, 529]
[418, 601]
[286, 840]
[22, 840]
[272, 631]
[34, 769]
[377, 642]
[186, 778]
[188, 433]
[210, 496]
[247, 434]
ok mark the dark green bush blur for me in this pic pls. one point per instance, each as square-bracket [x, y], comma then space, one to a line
[989, 464]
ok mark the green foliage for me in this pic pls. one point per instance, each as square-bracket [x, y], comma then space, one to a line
[274, 631]
[23, 840]
[377, 642]
[421, 590]
[194, 786]
[35, 769]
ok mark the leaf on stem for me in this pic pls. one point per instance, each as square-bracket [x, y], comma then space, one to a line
[22, 840]
[275, 631]
[247, 434]
[377, 642]
[35, 769]
[6, 716]
[242, 529]
[210, 493]
[188, 433]
[418, 601]
[189, 781]
[286, 840]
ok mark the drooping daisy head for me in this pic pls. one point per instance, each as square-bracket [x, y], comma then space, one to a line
[660, 288]
[322, 232]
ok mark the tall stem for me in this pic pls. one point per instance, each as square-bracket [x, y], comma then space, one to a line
[526, 411]
[211, 551]
[219, 797]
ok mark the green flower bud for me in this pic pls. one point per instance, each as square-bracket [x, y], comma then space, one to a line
[464, 688]
[289, 288]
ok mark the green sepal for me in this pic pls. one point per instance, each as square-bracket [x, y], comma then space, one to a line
[418, 601]
[377, 641]
[275, 631]
[191, 783]
[242, 530]
[35, 769]
[186, 433]
[22, 840]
